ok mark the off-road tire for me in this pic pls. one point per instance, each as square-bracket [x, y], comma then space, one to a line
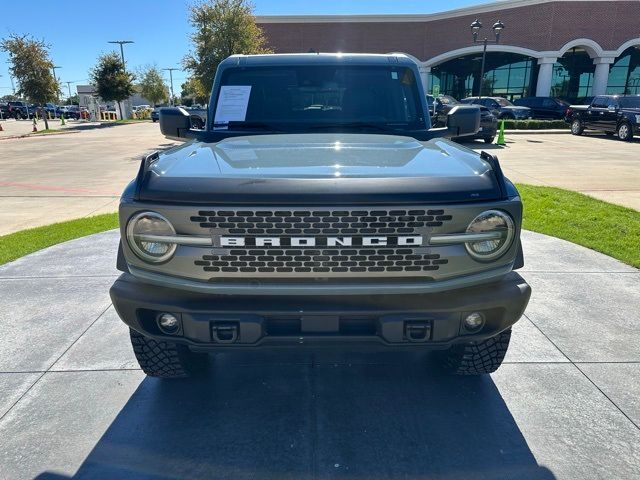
[476, 358]
[577, 127]
[625, 132]
[165, 359]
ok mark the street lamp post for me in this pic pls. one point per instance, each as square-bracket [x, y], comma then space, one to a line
[121, 43]
[171, 80]
[53, 68]
[475, 29]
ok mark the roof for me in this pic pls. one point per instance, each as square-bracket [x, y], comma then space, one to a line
[417, 17]
[319, 59]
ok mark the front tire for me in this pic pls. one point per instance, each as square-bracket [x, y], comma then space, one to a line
[577, 127]
[625, 132]
[165, 359]
[489, 139]
[476, 358]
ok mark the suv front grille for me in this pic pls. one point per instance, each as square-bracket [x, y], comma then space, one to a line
[320, 222]
[361, 261]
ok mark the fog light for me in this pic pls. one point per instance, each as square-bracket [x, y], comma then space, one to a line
[474, 321]
[168, 323]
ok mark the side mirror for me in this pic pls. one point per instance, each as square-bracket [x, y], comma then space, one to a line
[175, 123]
[463, 120]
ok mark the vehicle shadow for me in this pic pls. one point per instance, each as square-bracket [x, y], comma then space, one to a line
[276, 417]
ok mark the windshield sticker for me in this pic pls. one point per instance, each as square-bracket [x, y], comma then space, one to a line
[394, 75]
[232, 104]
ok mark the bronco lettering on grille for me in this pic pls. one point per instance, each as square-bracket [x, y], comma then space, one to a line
[408, 240]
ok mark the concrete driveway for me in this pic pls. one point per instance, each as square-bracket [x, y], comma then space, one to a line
[74, 404]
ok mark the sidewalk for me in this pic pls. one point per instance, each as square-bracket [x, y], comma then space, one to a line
[563, 406]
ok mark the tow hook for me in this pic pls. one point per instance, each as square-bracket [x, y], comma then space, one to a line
[224, 332]
[417, 331]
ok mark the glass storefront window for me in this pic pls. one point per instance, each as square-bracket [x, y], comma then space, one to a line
[508, 75]
[573, 76]
[624, 74]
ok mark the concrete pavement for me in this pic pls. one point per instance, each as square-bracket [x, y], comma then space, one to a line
[563, 406]
[50, 179]
[594, 164]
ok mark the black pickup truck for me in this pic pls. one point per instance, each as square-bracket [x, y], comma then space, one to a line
[607, 113]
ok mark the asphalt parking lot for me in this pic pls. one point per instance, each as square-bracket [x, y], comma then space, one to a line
[565, 405]
[82, 174]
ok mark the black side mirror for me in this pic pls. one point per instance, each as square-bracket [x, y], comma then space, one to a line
[175, 123]
[463, 120]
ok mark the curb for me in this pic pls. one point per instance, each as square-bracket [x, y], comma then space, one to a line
[27, 135]
[546, 132]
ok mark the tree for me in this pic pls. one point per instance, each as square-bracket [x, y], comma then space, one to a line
[9, 98]
[73, 100]
[192, 91]
[152, 85]
[32, 68]
[221, 28]
[111, 80]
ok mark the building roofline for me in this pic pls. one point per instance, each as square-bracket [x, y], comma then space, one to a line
[417, 17]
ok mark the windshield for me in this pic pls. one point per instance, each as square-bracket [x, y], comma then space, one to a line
[308, 97]
[630, 102]
[503, 102]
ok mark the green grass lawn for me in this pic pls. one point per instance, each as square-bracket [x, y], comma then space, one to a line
[580, 219]
[15, 245]
[601, 226]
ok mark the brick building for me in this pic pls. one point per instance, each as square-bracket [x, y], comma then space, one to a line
[563, 48]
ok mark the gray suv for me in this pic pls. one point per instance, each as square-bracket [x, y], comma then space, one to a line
[318, 207]
[500, 107]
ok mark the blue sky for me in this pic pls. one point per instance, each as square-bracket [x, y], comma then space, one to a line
[78, 32]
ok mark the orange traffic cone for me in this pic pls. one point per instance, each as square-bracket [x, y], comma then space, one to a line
[35, 129]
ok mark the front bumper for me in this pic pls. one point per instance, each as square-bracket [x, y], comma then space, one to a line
[222, 322]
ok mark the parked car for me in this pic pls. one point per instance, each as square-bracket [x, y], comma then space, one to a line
[51, 109]
[4, 111]
[443, 104]
[500, 107]
[544, 108]
[19, 110]
[609, 114]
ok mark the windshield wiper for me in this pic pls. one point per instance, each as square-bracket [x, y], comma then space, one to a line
[362, 125]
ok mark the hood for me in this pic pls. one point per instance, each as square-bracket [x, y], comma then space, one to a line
[325, 168]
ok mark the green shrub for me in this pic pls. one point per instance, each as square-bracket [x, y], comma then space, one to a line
[534, 124]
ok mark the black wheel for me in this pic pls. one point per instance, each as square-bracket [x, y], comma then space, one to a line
[576, 127]
[154, 120]
[625, 132]
[489, 139]
[165, 359]
[476, 358]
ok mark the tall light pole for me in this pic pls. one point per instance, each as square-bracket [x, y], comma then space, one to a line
[69, 87]
[475, 29]
[121, 43]
[171, 79]
[53, 68]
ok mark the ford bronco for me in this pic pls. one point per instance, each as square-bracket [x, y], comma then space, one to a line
[319, 208]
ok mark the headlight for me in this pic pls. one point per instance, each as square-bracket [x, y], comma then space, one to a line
[491, 221]
[143, 235]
